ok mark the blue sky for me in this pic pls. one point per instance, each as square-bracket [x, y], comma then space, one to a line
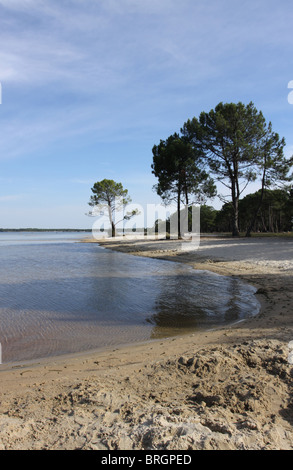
[89, 86]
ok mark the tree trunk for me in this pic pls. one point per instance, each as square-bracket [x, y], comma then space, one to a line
[235, 203]
[178, 211]
[111, 220]
[235, 226]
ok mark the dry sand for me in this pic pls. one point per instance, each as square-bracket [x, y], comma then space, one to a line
[229, 388]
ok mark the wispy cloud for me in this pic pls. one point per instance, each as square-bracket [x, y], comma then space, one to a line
[128, 44]
[96, 40]
[11, 198]
[109, 78]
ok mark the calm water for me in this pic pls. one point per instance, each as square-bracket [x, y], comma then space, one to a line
[58, 296]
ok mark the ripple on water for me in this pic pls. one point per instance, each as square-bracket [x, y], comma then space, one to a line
[58, 298]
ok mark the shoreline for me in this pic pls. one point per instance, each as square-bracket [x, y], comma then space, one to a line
[231, 387]
[12, 364]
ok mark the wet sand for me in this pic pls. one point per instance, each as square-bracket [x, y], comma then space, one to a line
[230, 388]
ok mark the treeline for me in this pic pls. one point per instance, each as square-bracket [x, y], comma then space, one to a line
[275, 214]
[232, 145]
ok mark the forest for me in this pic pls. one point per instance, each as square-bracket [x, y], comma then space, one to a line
[275, 214]
[231, 146]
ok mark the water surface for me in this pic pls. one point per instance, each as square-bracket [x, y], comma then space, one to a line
[58, 296]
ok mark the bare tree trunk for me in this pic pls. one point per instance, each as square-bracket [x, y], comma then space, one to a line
[178, 211]
[111, 220]
[235, 222]
[235, 203]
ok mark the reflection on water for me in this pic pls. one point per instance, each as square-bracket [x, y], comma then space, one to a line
[58, 297]
[200, 300]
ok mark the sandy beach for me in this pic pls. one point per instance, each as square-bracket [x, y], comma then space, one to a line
[225, 389]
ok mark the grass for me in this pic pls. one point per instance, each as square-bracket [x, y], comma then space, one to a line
[273, 235]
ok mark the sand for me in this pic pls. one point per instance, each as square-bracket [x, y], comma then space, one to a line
[225, 389]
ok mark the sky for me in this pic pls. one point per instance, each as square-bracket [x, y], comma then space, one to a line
[88, 87]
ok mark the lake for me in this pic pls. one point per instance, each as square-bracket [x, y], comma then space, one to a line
[59, 296]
